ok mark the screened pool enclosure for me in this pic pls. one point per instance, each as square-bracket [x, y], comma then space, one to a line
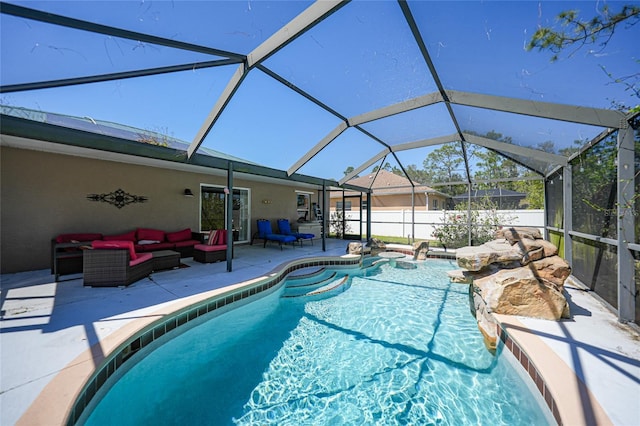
[446, 94]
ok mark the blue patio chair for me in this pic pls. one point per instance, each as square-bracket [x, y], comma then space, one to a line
[285, 228]
[265, 233]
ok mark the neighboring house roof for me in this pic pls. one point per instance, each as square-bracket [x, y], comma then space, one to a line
[387, 183]
[491, 193]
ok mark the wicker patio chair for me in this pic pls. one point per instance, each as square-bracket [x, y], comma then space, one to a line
[215, 250]
[112, 268]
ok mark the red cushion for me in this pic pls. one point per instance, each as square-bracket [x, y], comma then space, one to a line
[141, 258]
[154, 247]
[129, 236]
[207, 247]
[174, 237]
[187, 243]
[150, 234]
[116, 245]
[67, 238]
[222, 236]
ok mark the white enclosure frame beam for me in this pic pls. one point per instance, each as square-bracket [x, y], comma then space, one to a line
[440, 140]
[562, 112]
[296, 27]
[516, 149]
[223, 100]
[411, 104]
[364, 166]
[319, 147]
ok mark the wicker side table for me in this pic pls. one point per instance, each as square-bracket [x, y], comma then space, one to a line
[165, 259]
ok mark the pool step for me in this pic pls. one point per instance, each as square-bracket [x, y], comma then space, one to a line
[329, 287]
[306, 274]
[308, 282]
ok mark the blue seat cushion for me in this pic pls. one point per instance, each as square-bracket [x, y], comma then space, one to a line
[304, 236]
[281, 238]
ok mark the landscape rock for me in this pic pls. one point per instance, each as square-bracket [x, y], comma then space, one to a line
[420, 250]
[460, 276]
[516, 233]
[376, 246]
[553, 269]
[525, 251]
[527, 245]
[518, 273]
[357, 248]
[475, 258]
[520, 292]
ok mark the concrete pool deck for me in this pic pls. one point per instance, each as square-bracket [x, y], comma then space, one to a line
[46, 325]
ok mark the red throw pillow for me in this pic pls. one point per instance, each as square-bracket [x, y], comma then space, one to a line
[116, 245]
[129, 236]
[174, 237]
[213, 238]
[150, 234]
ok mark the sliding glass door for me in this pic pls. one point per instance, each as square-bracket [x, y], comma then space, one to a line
[213, 211]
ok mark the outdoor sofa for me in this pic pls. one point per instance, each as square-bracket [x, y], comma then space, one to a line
[67, 253]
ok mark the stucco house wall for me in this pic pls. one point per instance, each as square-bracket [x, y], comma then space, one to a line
[45, 194]
[393, 192]
[394, 201]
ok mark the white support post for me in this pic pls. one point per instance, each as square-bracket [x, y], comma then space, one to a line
[626, 229]
[567, 224]
[229, 200]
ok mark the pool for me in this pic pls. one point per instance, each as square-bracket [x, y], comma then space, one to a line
[387, 345]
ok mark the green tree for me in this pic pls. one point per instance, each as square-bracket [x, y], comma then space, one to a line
[491, 165]
[417, 175]
[443, 165]
[534, 190]
[386, 167]
[575, 32]
[349, 170]
[547, 146]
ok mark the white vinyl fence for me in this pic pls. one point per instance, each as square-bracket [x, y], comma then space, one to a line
[397, 223]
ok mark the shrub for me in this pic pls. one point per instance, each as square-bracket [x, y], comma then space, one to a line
[484, 221]
[337, 224]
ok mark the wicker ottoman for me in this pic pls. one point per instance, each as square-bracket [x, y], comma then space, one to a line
[165, 259]
[204, 253]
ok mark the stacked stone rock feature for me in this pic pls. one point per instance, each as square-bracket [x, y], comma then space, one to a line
[357, 248]
[372, 247]
[420, 250]
[518, 273]
[377, 246]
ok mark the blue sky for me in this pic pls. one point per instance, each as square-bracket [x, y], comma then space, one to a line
[360, 59]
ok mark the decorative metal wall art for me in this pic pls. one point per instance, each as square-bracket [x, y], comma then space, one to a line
[118, 198]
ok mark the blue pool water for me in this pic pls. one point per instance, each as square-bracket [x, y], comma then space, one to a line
[395, 347]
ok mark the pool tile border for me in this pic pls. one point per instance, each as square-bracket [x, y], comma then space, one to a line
[159, 328]
[529, 367]
[560, 387]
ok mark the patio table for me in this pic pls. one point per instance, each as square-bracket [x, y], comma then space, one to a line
[165, 259]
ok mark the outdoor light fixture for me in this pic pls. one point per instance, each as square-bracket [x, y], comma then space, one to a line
[188, 193]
